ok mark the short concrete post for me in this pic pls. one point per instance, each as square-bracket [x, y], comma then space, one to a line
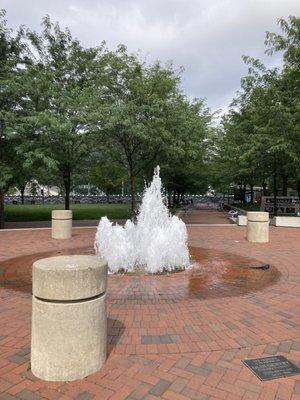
[62, 224]
[257, 227]
[69, 322]
[242, 220]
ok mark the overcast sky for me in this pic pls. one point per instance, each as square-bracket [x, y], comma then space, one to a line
[206, 37]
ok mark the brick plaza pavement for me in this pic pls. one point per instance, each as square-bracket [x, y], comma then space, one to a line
[164, 341]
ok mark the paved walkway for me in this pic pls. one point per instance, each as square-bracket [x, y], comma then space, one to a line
[202, 215]
[165, 340]
[47, 224]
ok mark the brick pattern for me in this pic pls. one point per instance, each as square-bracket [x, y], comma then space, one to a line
[164, 342]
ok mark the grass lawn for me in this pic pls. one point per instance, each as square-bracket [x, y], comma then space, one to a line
[42, 212]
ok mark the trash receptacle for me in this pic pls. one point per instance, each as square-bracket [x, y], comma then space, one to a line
[257, 226]
[69, 321]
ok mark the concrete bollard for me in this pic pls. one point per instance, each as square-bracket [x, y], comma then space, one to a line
[242, 220]
[69, 322]
[62, 224]
[257, 227]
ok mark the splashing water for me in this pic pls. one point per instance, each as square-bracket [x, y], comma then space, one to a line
[156, 243]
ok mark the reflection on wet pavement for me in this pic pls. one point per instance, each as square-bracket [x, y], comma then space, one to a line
[213, 274]
[220, 274]
[16, 273]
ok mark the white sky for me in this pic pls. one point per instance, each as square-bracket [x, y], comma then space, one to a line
[206, 37]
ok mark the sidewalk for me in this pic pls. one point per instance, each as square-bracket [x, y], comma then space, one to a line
[47, 224]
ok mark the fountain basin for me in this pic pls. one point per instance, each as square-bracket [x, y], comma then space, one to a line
[213, 274]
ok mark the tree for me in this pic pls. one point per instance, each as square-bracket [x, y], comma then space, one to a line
[138, 113]
[147, 117]
[61, 92]
[106, 175]
[262, 128]
[183, 160]
[13, 56]
[22, 174]
[289, 43]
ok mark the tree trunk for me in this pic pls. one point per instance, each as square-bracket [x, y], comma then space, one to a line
[22, 190]
[174, 197]
[2, 193]
[67, 196]
[284, 184]
[241, 194]
[2, 208]
[169, 200]
[251, 194]
[132, 191]
[67, 184]
[298, 188]
[264, 185]
[244, 194]
[275, 190]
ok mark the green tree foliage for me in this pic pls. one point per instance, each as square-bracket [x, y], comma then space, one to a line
[13, 57]
[60, 89]
[137, 113]
[183, 160]
[107, 175]
[64, 106]
[147, 117]
[260, 135]
[289, 43]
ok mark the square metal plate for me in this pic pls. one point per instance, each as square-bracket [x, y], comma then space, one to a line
[271, 367]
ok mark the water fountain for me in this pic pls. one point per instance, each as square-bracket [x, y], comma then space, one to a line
[157, 242]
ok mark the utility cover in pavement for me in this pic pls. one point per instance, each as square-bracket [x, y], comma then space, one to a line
[271, 367]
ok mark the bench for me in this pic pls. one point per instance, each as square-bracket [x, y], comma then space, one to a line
[292, 222]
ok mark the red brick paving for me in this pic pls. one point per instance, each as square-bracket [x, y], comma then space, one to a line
[195, 215]
[161, 344]
[47, 224]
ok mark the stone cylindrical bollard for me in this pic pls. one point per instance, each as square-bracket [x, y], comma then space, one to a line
[69, 326]
[257, 227]
[62, 224]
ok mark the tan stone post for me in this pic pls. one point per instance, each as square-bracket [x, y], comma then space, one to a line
[62, 224]
[69, 322]
[257, 227]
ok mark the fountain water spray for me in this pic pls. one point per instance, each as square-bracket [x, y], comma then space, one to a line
[156, 243]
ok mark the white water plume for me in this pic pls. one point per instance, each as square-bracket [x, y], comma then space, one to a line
[156, 243]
